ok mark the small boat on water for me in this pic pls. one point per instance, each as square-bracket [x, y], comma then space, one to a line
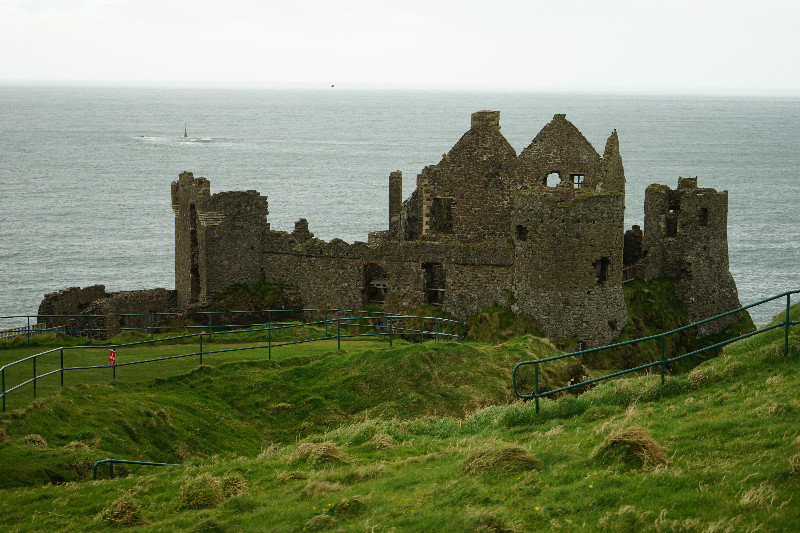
[185, 134]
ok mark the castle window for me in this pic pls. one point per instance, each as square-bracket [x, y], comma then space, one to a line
[577, 180]
[553, 179]
[601, 269]
[376, 284]
[194, 254]
[521, 233]
[433, 283]
[442, 214]
[672, 223]
[703, 217]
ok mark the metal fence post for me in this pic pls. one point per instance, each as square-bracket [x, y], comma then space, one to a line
[326, 322]
[390, 331]
[151, 326]
[786, 339]
[62, 366]
[209, 322]
[29, 330]
[201, 348]
[34, 377]
[662, 359]
[111, 469]
[536, 385]
[3, 379]
[338, 334]
[269, 343]
[436, 330]
[421, 330]
[90, 327]
[269, 317]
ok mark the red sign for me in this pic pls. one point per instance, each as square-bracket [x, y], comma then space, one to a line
[112, 356]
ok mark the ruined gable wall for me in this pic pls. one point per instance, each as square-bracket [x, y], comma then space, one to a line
[560, 147]
[568, 263]
[686, 238]
[478, 173]
[612, 172]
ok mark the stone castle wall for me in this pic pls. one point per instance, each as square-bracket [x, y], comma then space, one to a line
[568, 263]
[686, 239]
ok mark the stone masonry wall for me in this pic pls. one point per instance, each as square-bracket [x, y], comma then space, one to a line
[568, 263]
[686, 239]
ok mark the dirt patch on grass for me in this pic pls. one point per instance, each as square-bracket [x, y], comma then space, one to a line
[124, 511]
[634, 446]
[324, 452]
[202, 492]
[506, 458]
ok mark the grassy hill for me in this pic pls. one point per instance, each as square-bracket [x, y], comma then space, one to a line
[417, 438]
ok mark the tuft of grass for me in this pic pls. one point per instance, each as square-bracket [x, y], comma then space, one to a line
[348, 508]
[498, 324]
[124, 511]
[505, 458]
[761, 496]
[34, 440]
[314, 488]
[324, 452]
[321, 522]
[634, 446]
[201, 492]
[626, 520]
[233, 485]
[3, 435]
[382, 441]
[794, 464]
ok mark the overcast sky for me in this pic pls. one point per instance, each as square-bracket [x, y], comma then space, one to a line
[687, 46]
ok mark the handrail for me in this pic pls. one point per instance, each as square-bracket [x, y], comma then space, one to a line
[111, 463]
[663, 360]
[384, 326]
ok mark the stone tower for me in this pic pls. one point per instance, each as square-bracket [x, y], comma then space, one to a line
[686, 239]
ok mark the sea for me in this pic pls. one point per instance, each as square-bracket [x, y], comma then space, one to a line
[85, 172]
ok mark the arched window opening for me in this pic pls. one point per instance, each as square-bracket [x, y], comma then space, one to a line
[553, 179]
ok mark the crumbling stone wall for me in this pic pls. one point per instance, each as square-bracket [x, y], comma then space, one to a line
[686, 239]
[482, 227]
[568, 263]
[95, 300]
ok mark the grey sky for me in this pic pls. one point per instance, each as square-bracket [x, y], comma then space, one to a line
[692, 46]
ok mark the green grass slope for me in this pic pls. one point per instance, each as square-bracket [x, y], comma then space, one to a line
[716, 449]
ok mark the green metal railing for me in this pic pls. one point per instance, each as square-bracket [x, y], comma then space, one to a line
[663, 361]
[95, 325]
[112, 462]
[382, 325]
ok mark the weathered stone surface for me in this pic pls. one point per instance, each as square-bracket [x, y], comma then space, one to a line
[686, 239]
[481, 227]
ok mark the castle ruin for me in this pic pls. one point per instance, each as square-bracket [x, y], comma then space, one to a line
[541, 231]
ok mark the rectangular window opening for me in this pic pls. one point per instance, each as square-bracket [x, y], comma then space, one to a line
[577, 180]
[433, 283]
